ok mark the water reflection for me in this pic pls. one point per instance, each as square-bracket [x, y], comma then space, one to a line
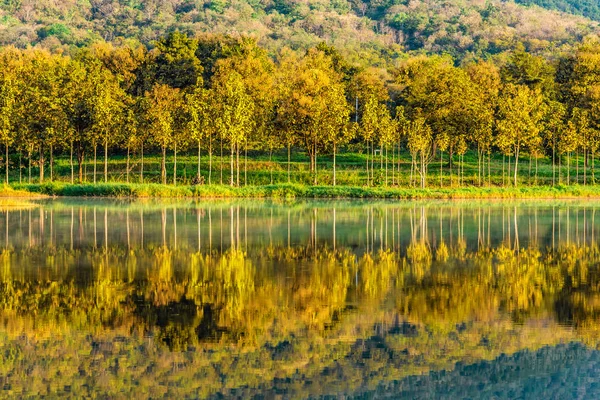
[241, 298]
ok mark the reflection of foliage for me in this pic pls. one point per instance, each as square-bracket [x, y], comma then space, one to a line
[196, 324]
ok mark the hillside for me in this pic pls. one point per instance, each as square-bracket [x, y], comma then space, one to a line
[370, 30]
[587, 8]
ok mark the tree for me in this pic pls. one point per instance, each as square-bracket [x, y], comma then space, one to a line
[304, 107]
[258, 74]
[335, 121]
[419, 141]
[486, 78]
[7, 112]
[386, 132]
[369, 124]
[234, 118]
[43, 114]
[552, 130]
[174, 61]
[445, 96]
[519, 115]
[163, 103]
[107, 98]
[129, 130]
[77, 106]
[200, 125]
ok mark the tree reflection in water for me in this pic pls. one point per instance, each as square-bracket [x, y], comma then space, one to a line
[240, 298]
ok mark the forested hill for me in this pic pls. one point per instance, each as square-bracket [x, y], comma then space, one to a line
[587, 8]
[369, 30]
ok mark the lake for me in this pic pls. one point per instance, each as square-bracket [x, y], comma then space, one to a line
[295, 299]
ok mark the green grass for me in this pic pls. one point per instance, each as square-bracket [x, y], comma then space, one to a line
[268, 177]
[296, 191]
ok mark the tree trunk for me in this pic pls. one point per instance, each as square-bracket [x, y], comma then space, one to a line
[209, 162]
[127, 167]
[399, 163]
[237, 164]
[289, 162]
[478, 166]
[21, 167]
[577, 167]
[80, 153]
[593, 170]
[559, 170]
[163, 165]
[529, 172]
[71, 163]
[175, 165]
[367, 154]
[536, 171]
[29, 159]
[569, 158]
[412, 169]
[316, 169]
[6, 181]
[271, 164]
[105, 161]
[585, 164]
[142, 164]
[450, 155]
[334, 177]
[386, 166]
[423, 171]
[503, 175]
[508, 171]
[489, 168]
[246, 163]
[95, 159]
[372, 162]
[51, 163]
[516, 166]
[441, 168]
[553, 164]
[221, 160]
[41, 164]
[199, 157]
[231, 177]
[529, 177]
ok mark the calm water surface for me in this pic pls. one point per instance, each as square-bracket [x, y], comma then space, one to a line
[266, 299]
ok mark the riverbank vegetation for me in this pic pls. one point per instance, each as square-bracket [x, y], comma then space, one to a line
[249, 119]
[291, 191]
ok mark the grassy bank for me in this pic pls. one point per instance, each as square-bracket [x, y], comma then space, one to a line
[262, 170]
[293, 191]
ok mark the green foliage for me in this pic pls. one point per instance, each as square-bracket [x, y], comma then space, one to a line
[370, 31]
[60, 31]
[587, 8]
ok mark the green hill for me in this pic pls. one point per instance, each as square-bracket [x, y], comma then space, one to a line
[587, 8]
[367, 30]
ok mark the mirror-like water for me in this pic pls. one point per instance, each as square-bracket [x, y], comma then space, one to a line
[257, 298]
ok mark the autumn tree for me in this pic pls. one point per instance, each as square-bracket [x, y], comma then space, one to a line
[519, 115]
[201, 123]
[162, 105]
[8, 93]
[234, 117]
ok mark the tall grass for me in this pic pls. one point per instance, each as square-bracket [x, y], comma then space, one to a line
[294, 191]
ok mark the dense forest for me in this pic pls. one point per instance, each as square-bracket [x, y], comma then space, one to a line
[371, 31]
[226, 96]
[588, 8]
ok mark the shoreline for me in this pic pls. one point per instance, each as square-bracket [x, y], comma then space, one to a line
[293, 191]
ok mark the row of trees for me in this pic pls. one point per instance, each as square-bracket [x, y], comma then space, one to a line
[236, 98]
